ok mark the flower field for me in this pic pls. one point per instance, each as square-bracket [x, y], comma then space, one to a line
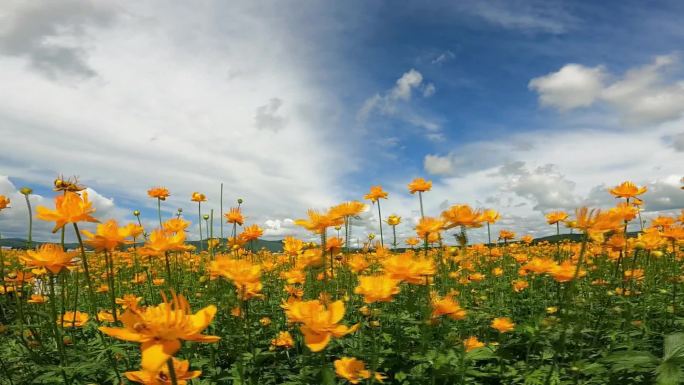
[144, 305]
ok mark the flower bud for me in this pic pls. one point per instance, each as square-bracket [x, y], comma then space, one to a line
[26, 190]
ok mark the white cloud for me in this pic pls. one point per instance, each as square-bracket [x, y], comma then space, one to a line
[170, 107]
[572, 86]
[642, 96]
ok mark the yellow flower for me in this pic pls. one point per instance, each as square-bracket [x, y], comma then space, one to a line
[69, 208]
[472, 343]
[447, 306]
[73, 319]
[462, 215]
[198, 197]
[503, 324]
[428, 226]
[319, 323]
[234, 216]
[175, 225]
[354, 370]
[251, 233]
[49, 256]
[556, 216]
[4, 202]
[627, 190]
[161, 242]
[357, 263]
[108, 236]
[565, 272]
[318, 222]
[283, 340]
[161, 376]
[379, 288]
[419, 185]
[408, 269]
[160, 193]
[159, 329]
[128, 301]
[520, 285]
[347, 209]
[393, 220]
[375, 193]
[37, 298]
[106, 316]
[292, 246]
[490, 216]
[506, 235]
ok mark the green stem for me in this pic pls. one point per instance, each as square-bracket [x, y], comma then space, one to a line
[172, 371]
[382, 241]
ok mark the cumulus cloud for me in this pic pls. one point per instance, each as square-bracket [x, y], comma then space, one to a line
[642, 96]
[179, 109]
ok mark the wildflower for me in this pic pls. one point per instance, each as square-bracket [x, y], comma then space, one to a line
[354, 370]
[158, 281]
[160, 328]
[108, 236]
[551, 310]
[175, 225]
[419, 185]
[520, 285]
[472, 343]
[462, 215]
[526, 239]
[265, 321]
[107, 316]
[393, 220]
[427, 226]
[627, 190]
[49, 256]
[358, 263]
[490, 216]
[160, 193]
[503, 324]
[405, 268]
[412, 242]
[566, 271]
[251, 233]
[625, 211]
[319, 323]
[378, 288]
[292, 246]
[37, 299]
[554, 217]
[234, 216]
[347, 209]
[506, 235]
[162, 376]
[4, 202]
[161, 242]
[69, 208]
[283, 340]
[447, 306]
[128, 301]
[198, 197]
[375, 193]
[497, 272]
[319, 222]
[74, 319]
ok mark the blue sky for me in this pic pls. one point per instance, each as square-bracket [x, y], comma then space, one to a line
[522, 106]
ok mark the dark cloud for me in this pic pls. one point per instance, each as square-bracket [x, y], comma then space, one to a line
[49, 34]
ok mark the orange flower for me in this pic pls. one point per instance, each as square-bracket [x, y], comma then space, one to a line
[462, 215]
[69, 208]
[319, 322]
[106, 316]
[490, 216]
[49, 256]
[375, 193]
[234, 216]
[4, 202]
[412, 241]
[108, 236]
[160, 329]
[428, 226]
[37, 298]
[161, 376]
[506, 235]
[128, 301]
[472, 343]
[73, 319]
[292, 246]
[565, 272]
[408, 269]
[556, 216]
[380, 288]
[160, 193]
[503, 324]
[447, 306]
[393, 220]
[354, 370]
[240, 271]
[318, 223]
[251, 233]
[625, 211]
[627, 190]
[175, 225]
[198, 197]
[283, 340]
[520, 285]
[348, 209]
[161, 242]
[357, 263]
[419, 185]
